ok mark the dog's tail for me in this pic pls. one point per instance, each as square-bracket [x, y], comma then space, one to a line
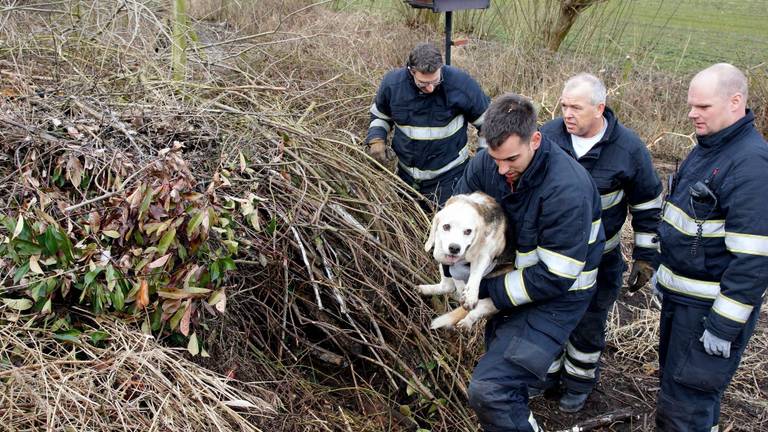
[449, 319]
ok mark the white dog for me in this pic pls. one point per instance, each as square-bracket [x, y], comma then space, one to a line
[469, 229]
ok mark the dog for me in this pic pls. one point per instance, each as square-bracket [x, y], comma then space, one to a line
[468, 230]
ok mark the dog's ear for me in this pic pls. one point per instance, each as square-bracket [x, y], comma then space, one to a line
[432, 232]
[481, 241]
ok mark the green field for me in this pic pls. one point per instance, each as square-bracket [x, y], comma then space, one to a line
[676, 35]
[685, 34]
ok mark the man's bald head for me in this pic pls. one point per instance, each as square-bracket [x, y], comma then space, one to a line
[717, 97]
[727, 79]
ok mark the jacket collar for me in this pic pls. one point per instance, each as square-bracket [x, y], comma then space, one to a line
[723, 137]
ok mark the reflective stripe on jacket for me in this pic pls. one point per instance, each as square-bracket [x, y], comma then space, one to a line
[621, 167]
[714, 248]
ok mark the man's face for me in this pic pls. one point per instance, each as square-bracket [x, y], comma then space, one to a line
[427, 82]
[710, 110]
[513, 156]
[581, 117]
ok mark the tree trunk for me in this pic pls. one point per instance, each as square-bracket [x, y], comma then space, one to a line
[569, 12]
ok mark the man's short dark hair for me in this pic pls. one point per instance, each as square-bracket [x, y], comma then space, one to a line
[508, 115]
[425, 58]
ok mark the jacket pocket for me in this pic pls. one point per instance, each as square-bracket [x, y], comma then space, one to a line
[530, 356]
[704, 372]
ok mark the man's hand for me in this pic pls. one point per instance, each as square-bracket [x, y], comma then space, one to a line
[713, 345]
[640, 274]
[377, 149]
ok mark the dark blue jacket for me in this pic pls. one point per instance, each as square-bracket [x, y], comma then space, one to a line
[554, 226]
[430, 130]
[714, 247]
[622, 169]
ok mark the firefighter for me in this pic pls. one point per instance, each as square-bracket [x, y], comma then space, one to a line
[553, 210]
[713, 265]
[620, 164]
[429, 105]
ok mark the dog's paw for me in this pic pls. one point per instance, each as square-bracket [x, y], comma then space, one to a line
[470, 300]
[467, 323]
[444, 321]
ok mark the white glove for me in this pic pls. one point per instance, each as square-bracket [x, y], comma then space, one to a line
[460, 271]
[713, 345]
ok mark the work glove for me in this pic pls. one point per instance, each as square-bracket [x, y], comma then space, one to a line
[641, 272]
[713, 345]
[460, 271]
[377, 149]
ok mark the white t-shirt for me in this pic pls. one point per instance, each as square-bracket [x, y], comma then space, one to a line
[583, 145]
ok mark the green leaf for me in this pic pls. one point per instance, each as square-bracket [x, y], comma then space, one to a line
[193, 346]
[20, 272]
[71, 335]
[271, 226]
[24, 247]
[46, 309]
[405, 410]
[18, 304]
[166, 241]
[176, 318]
[145, 203]
[231, 246]
[112, 277]
[227, 264]
[118, 298]
[48, 240]
[194, 223]
[98, 336]
[215, 272]
[111, 234]
[91, 275]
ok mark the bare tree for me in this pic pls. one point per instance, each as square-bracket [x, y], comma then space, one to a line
[569, 12]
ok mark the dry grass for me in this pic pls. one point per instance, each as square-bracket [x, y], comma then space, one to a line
[133, 383]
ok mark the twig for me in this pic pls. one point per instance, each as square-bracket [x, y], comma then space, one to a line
[603, 420]
[309, 268]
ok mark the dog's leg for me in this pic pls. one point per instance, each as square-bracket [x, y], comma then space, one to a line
[484, 309]
[476, 273]
[448, 320]
[446, 286]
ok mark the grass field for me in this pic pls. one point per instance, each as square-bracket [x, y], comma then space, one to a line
[675, 35]
[684, 35]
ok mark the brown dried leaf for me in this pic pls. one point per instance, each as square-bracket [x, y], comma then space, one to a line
[185, 320]
[159, 262]
[142, 297]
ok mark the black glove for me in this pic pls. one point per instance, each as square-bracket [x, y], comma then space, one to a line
[641, 273]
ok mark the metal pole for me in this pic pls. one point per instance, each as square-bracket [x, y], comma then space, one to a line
[448, 42]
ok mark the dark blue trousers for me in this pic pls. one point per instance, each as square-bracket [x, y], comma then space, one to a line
[692, 381]
[581, 364]
[520, 346]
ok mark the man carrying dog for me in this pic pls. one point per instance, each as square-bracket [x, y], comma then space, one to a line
[429, 105]
[713, 268]
[621, 167]
[553, 211]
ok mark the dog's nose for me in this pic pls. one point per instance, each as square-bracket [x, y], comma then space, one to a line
[454, 248]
